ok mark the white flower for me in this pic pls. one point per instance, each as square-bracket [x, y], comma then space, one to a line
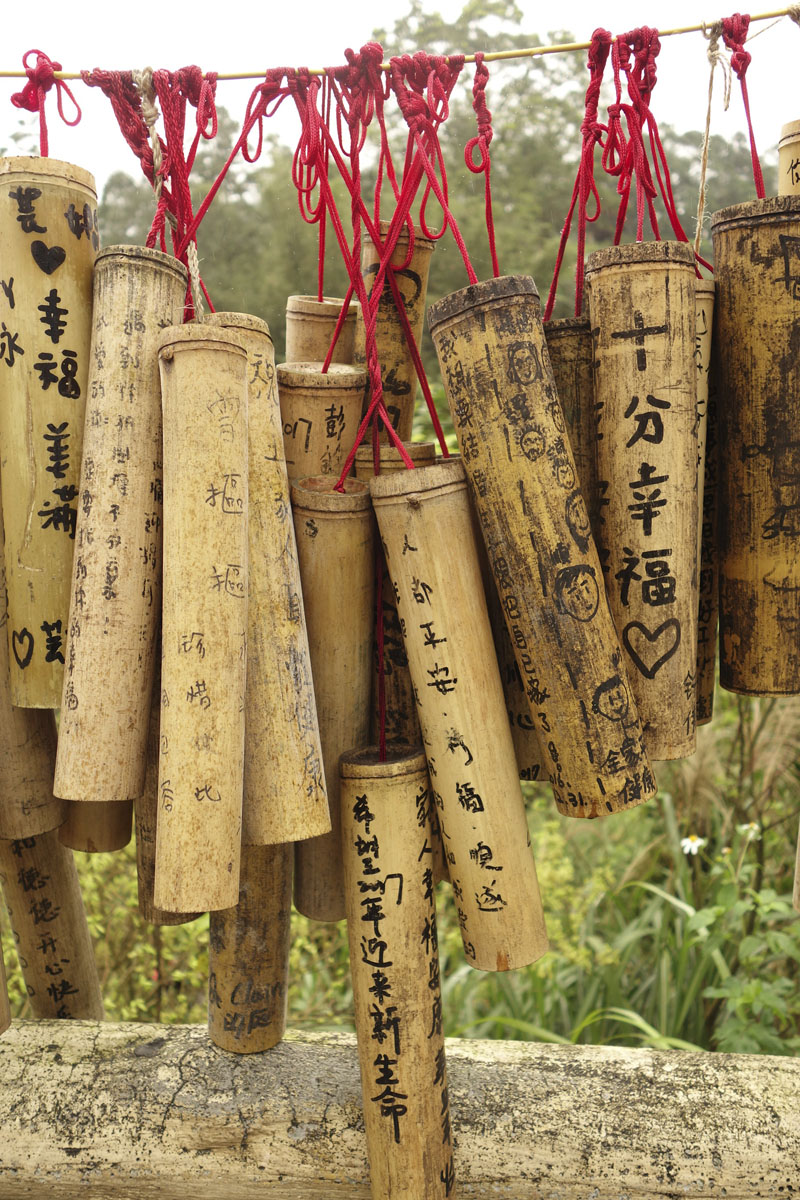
[750, 830]
[725, 851]
[692, 843]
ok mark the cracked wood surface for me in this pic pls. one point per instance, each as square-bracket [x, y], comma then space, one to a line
[151, 1111]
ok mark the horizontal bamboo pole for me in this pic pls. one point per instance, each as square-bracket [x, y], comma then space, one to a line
[146, 1111]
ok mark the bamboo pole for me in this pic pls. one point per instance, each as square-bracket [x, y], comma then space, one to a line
[337, 567]
[643, 312]
[387, 848]
[284, 785]
[116, 576]
[426, 527]
[204, 632]
[511, 430]
[706, 502]
[321, 413]
[48, 921]
[97, 828]
[310, 325]
[48, 241]
[758, 284]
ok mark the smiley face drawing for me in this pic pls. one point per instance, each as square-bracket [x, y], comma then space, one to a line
[575, 591]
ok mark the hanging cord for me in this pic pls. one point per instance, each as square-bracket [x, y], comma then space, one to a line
[734, 33]
[626, 157]
[481, 142]
[591, 134]
[717, 58]
[41, 79]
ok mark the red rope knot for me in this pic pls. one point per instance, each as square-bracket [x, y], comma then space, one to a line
[599, 50]
[41, 79]
[734, 34]
[126, 103]
[485, 132]
[201, 91]
[646, 46]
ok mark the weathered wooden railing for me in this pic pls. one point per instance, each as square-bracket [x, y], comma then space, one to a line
[146, 1111]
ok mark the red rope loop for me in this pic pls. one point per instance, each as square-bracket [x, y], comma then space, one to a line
[41, 79]
[126, 103]
[481, 142]
[734, 33]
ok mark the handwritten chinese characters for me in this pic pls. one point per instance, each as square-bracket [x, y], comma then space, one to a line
[320, 415]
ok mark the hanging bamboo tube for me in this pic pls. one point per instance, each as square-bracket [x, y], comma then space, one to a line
[758, 287]
[706, 504]
[394, 963]
[335, 547]
[321, 413]
[48, 921]
[204, 630]
[523, 730]
[97, 828]
[426, 527]
[310, 326]
[248, 956]
[501, 392]
[643, 313]
[146, 822]
[796, 889]
[5, 1010]
[48, 241]
[284, 786]
[569, 344]
[401, 722]
[116, 576]
[398, 374]
[789, 160]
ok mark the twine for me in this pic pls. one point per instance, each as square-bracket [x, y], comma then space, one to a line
[716, 57]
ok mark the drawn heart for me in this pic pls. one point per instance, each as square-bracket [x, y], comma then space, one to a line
[47, 258]
[662, 642]
[22, 646]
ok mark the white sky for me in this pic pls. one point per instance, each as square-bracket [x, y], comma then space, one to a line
[228, 36]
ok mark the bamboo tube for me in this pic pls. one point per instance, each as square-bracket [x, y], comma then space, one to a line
[643, 313]
[248, 956]
[789, 160]
[97, 828]
[569, 344]
[48, 921]
[335, 547]
[706, 502]
[462, 711]
[48, 241]
[546, 568]
[401, 722]
[146, 820]
[523, 730]
[398, 374]
[394, 963]
[5, 1010]
[204, 631]
[758, 285]
[321, 414]
[310, 325]
[116, 576]
[284, 786]
[796, 889]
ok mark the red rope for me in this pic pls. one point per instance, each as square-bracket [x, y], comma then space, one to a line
[734, 33]
[41, 79]
[481, 142]
[591, 133]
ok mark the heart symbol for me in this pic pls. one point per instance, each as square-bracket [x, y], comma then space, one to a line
[668, 635]
[18, 642]
[47, 258]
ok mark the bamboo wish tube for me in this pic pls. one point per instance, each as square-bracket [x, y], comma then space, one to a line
[707, 580]
[284, 785]
[310, 326]
[789, 160]
[115, 601]
[757, 268]
[394, 964]
[569, 344]
[5, 1010]
[321, 412]
[97, 828]
[248, 956]
[511, 431]
[336, 550]
[398, 373]
[48, 241]
[204, 618]
[47, 917]
[427, 532]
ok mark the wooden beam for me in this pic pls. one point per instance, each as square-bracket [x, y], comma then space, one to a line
[150, 1111]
